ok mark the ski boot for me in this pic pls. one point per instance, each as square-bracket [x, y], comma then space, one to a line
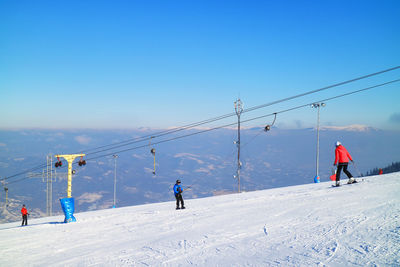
[351, 181]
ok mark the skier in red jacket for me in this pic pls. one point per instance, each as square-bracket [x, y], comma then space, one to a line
[342, 156]
[25, 214]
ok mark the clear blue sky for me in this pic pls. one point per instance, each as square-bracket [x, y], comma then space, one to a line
[128, 64]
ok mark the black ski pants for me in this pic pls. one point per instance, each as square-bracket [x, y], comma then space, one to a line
[25, 219]
[344, 167]
[179, 198]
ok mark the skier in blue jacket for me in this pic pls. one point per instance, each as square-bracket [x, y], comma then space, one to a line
[178, 194]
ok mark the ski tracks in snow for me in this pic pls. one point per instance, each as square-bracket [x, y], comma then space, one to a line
[306, 225]
[265, 230]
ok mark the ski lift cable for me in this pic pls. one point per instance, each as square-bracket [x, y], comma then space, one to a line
[226, 125]
[177, 129]
[252, 139]
[16, 181]
[263, 130]
[168, 140]
[26, 171]
[324, 100]
[251, 119]
[323, 88]
[255, 118]
[159, 134]
[191, 125]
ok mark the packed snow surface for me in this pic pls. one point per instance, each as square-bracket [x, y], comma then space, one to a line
[307, 225]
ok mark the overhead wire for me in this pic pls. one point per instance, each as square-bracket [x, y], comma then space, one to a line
[324, 100]
[162, 133]
[260, 132]
[16, 181]
[322, 89]
[231, 124]
[251, 119]
[26, 171]
[191, 125]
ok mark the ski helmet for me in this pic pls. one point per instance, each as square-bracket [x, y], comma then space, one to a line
[338, 143]
[178, 181]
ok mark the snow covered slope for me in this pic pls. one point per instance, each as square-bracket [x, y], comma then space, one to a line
[307, 225]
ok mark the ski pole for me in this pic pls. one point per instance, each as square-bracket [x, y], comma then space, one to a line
[355, 167]
[187, 188]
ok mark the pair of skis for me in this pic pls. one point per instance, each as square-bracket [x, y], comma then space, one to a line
[333, 178]
[354, 182]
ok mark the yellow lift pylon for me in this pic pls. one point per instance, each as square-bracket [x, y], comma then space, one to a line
[70, 158]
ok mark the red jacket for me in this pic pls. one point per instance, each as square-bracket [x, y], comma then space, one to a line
[24, 211]
[342, 155]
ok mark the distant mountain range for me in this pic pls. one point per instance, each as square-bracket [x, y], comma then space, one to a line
[207, 162]
[351, 128]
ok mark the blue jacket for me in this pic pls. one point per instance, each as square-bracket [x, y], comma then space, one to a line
[177, 188]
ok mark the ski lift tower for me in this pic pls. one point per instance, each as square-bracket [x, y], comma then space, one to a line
[70, 159]
[115, 179]
[317, 106]
[6, 190]
[67, 204]
[3, 183]
[48, 176]
[238, 110]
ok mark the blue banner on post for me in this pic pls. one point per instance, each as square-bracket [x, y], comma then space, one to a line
[67, 205]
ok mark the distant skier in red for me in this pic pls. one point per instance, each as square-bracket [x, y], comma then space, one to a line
[342, 156]
[25, 214]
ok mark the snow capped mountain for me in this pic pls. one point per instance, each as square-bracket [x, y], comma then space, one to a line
[305, 225]
[350, 128]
